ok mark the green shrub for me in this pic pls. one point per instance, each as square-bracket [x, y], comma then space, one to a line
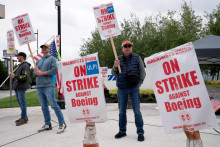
[150, 98]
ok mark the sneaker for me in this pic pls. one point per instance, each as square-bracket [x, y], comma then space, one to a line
[61, 128]
[120, 135]
[140, 137]
[20, 119]
[45, 128]
[21, 122]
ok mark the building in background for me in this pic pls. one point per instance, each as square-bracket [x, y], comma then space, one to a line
[2, 11]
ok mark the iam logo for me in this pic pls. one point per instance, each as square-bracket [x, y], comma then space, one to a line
[185, 117]
[85, 112]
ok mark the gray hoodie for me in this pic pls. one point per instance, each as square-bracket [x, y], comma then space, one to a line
[48, 64]
[21, 79]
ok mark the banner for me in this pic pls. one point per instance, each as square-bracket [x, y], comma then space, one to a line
[23, 29]
[58, 42]
[83, 89]
[104, 72]
[180, 90]
[11, 41]
[106, 21]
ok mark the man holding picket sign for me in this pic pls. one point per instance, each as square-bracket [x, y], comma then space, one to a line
[46, 71]
[108, 27]
[20, 85]
[128, 83]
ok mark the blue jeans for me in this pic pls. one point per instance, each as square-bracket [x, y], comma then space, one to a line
[20, 95]
[123, 100]
[45, 95]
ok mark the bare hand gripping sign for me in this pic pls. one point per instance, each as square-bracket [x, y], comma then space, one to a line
[83, 89]
[180, 90]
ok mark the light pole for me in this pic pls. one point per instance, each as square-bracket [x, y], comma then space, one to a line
[58, 5]
[37, 40]
[60, 100]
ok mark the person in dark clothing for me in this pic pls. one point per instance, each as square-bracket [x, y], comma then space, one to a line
[20, 85]
[128, 82]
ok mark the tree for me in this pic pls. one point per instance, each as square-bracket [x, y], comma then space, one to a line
[191, 25]
[213, 25]
[158, 33]
[3, 73]
[32, 80]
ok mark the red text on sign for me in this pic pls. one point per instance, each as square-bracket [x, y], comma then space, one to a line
[178, 82]
[184, 104]
[20, 21]
[82, 84]
[22, 26]
[106, 18]
[172, 65]
[80, 70]
[84, 102]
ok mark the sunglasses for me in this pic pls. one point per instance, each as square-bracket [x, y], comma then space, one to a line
[127, 46]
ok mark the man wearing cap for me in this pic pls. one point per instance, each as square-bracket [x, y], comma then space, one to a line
[128, 82]
[20, 85]
[45, 72]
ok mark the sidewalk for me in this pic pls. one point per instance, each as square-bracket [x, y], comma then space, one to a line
[27, 136]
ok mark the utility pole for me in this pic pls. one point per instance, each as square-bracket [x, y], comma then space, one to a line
[59, 22]
[60, 100]
[37, 40]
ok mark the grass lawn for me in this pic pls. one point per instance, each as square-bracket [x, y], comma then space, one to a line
[212, 85]
[31, 100]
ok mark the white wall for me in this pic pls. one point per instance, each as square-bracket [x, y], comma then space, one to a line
[110, 82]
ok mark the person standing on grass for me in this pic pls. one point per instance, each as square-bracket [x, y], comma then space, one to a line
[20, 85]
[45, 72]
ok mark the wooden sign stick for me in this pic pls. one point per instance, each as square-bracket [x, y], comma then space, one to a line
[115, 53]
[31, 55]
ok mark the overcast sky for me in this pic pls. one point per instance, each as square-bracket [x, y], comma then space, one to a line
[78, 20]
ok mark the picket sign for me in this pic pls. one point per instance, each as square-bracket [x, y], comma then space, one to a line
[11, 45]
[83, 89]
[107, 24]
[104, 73]
[180, 91]
[24, 31]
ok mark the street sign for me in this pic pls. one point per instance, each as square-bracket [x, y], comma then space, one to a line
[7, 54]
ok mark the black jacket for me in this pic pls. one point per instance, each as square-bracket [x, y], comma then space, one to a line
[21, 79]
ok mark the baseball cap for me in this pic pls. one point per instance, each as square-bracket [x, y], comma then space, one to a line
[22, 54]
[46, 45]
[126, 42]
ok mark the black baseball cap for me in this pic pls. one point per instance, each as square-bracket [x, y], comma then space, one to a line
[22, 54]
